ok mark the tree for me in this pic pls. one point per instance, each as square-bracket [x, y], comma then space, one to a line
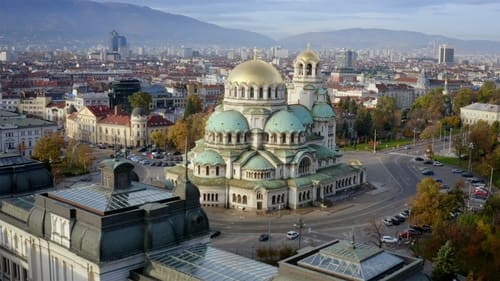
[140, 99]
[462, 98]
[483, 137]
[364, 123]
[48, 147]
[486, 92]
[426, 206]
[158, 138]
[193, 105]
[445, 263]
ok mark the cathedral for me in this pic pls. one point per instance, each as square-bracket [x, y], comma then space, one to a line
[270, 145]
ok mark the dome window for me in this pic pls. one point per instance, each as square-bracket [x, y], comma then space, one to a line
[261, 93]
[269, 92]
[251, 93]
[309, 69]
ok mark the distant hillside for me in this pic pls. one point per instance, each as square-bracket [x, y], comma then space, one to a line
[358, 38]
[49, 20]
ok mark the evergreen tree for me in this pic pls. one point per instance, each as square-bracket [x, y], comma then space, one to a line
[445, 263]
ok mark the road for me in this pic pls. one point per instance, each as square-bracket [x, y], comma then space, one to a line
[394, 174]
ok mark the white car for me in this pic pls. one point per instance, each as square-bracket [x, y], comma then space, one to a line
[387, 221]
[292, 234]
[437, 164]
[388, 239]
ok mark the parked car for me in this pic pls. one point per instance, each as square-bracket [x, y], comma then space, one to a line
[467, 175]
[429, 162]
[404, 215]
[437, 164]
[405, 235]
[395, 221]
[457, 171]
[388, 239]
[264, 237]
[418, 158]
[145, 162]
[427, 228]
[399, 218]
[427, 172]
[292, 234]
[387, 221]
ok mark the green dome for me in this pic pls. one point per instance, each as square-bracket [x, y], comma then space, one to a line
[302, 114]
[322, 110]
[283, 122]
[227, 122]
[258, 163]
[209, 157]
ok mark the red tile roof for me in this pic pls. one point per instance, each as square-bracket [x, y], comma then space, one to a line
[98, 110]
[158, 121]
[58, 104]
[123, 120]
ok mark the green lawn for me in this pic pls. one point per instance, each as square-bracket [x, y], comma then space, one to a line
[382, 145]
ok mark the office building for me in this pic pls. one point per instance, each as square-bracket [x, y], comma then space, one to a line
[120, 91]
[446, 54]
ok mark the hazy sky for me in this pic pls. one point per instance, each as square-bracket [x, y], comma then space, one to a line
[465, 19]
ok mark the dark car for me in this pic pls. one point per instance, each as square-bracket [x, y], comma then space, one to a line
[417, 228]
[427, 228]
[215, 234]
[427, 172]
[395, 221]
[467, 175]
[419, 159]
[142, 149]
[429, 162]
[400, 218]
[264, 237]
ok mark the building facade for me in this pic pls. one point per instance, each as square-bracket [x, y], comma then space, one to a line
[100, 125]
[19, 134]
[264, 149]
[475, 112]
[446, 54]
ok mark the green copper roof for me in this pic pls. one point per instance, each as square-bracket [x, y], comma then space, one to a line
[323, 152]
[284, 122]
[322, 110]
[209, 157]
[227, 121]
[302, 114]
[258, 163]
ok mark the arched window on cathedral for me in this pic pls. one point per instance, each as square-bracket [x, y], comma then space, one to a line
[238, 138]
[309, 69]
[251, 93]
[305, 166]
[234, 197]
[207, 170]
[244, 201]
[199, 170]
[259, 196]
[242, 92]
[261, 93]
[269, 92]
[217, 170]
[276, 92]
[239, 198]
[300, 67]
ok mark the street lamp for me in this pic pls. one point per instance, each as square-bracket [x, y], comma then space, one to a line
[414, 135]
[374, 143]
[471, 147]
[491, 179]
[300, 225]
[449, 147]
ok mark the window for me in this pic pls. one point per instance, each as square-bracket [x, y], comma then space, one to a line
[251, 92]
[261, 93]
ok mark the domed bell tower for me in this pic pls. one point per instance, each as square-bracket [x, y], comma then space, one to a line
[306, 79]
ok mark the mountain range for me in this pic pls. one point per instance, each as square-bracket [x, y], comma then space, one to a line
[42, 21]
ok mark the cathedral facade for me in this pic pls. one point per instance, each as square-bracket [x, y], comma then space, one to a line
[270, 145]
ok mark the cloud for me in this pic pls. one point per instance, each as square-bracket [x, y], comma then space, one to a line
[278, 18]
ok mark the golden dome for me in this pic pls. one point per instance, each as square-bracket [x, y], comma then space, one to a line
[255, 72]
[308, 56]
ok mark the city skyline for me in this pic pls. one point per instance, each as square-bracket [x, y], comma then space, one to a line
[462, 19]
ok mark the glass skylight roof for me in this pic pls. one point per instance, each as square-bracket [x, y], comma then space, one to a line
[343, 265]
[207, 263]
[101, 199]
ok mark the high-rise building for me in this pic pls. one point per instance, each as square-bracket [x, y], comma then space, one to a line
[117, 44]
[446, 54]
[346, 59]
[121, 90]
